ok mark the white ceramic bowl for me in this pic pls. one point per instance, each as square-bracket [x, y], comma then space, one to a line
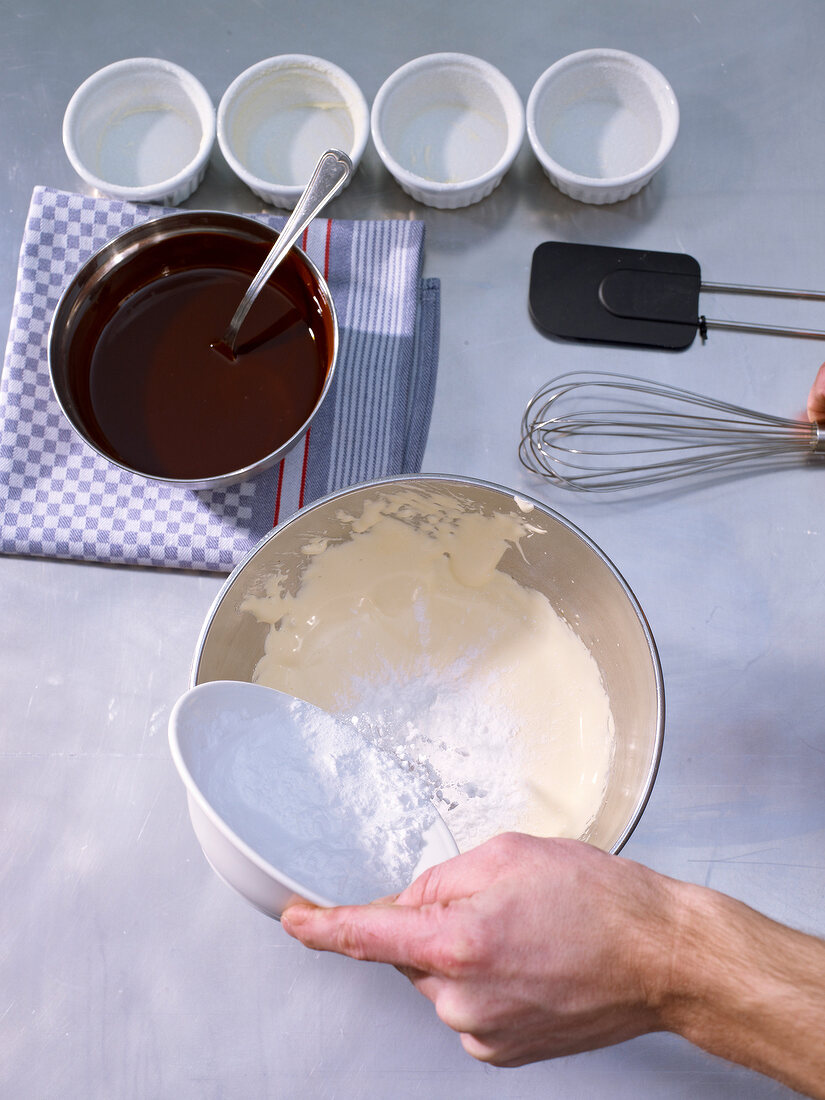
[238, 835]
[142, 130]
[601, 123]
[277, 117]
[447, 126]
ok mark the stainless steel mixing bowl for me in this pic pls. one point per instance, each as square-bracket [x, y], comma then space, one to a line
[560, 561]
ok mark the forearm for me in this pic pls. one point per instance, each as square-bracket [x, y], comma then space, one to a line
[748, 989]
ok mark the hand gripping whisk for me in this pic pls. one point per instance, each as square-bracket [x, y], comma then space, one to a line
[600, 432]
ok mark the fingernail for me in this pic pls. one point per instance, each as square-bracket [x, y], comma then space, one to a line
[286, 921]
[292, 917]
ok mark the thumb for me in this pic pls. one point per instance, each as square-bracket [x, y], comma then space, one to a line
[382, 932]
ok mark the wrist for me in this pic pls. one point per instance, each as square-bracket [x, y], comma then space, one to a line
[696, 988]
[745, 988]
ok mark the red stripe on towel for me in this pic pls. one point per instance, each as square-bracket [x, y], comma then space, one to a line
[278, 493]
[306, 441]
[304, 469]
[305, 464]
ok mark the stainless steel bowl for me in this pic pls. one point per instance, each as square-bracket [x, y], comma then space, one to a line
[127, 263]
[560, 561]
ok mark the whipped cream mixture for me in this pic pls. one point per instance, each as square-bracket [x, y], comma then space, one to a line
[408, 626]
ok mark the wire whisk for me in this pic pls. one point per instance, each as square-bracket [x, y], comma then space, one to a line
[600, 432]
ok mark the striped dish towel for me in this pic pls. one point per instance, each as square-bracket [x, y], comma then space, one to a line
[58, 498]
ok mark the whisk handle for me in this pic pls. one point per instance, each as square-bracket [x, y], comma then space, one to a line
[817, 437]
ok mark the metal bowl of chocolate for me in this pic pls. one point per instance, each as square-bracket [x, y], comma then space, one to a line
[133, 360]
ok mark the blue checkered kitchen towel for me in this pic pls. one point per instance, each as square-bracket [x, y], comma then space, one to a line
[59, 499]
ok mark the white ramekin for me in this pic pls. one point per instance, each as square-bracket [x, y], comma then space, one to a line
[141, 129]
[601, 123]
[277, 117]
[447, 127]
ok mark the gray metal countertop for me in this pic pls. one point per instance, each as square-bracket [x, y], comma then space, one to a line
[127, 969]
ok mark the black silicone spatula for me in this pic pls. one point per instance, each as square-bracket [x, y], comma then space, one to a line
[629, 296]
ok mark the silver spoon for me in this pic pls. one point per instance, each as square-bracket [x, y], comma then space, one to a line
[331, 173]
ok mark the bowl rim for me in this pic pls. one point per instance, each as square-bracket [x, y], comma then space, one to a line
[127, 242]
[520, 499]
[355, 103]
[651, 76]
[198, 96]
[500, 85]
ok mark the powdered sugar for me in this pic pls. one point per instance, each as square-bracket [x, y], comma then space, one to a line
[448, 733]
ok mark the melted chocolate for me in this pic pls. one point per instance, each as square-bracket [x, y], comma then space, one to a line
[155, 394]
